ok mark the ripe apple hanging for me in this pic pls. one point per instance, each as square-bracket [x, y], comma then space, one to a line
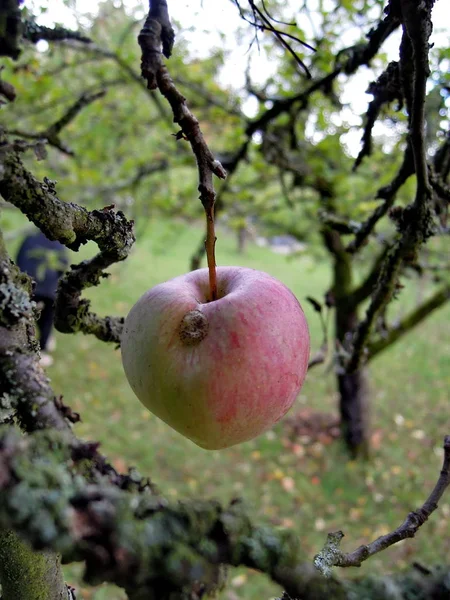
[219, 372]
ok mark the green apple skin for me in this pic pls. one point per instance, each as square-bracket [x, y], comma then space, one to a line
[220, 372]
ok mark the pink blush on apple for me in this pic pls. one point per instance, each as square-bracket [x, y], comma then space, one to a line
[219, 372]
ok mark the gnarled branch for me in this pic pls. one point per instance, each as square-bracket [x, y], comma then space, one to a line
[331, 554]
[73, 226]
[417, 220]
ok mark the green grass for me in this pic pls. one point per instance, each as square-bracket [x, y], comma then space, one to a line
[310, 488]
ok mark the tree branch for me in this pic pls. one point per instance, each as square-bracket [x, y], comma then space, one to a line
[420, 313]
[350, 60]
[34, 32]
[416, 224]
[386, 193]
[156, 32]
[366, 288]
[331, 554]
[417, 28]
[157, 29]
[73, 226]
[339, 223]
[85, 521]
[385, 90]
[51, 134]
[265, 24]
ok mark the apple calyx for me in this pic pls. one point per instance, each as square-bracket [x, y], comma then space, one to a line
[193, 328]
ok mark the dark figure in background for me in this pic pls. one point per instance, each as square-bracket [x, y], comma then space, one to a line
[45, 261]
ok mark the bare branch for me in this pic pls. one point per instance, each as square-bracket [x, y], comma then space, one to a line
[416, 224]
[265, 24]
[385, 90]
[157, 29]
[388, 194]
[51, 134]
[413, 319]
[34, 32]
[331, 555]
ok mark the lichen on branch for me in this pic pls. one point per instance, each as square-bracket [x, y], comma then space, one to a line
[418, 218]
[72, 225]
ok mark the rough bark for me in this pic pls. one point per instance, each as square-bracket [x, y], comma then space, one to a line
[352, 387]
[354, 410]
[354, 400]
[24, 574]
[156, 550]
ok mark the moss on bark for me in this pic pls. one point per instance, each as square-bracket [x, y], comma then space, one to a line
[29, 575]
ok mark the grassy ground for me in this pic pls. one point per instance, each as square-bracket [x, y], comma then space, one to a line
[308, 485]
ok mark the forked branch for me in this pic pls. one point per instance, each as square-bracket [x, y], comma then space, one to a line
[331, 555]
[157, 31]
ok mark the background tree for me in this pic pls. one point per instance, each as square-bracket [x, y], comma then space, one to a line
[289, 166]
[359, 216]
[71, 500]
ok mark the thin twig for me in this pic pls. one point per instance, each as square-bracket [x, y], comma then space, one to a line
[34, 32]
[388, 194]
[331, 555]
[51, 133]
[151, 37]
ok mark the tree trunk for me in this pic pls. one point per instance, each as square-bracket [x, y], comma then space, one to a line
[354, 412]
[241, 240]
[29, 575]
[353, 389]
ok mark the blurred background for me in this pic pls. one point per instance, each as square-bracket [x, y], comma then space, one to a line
[120, 149]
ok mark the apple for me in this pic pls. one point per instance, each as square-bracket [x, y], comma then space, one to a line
[218, 372]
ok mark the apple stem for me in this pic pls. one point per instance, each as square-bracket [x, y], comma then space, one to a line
[210, 245]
